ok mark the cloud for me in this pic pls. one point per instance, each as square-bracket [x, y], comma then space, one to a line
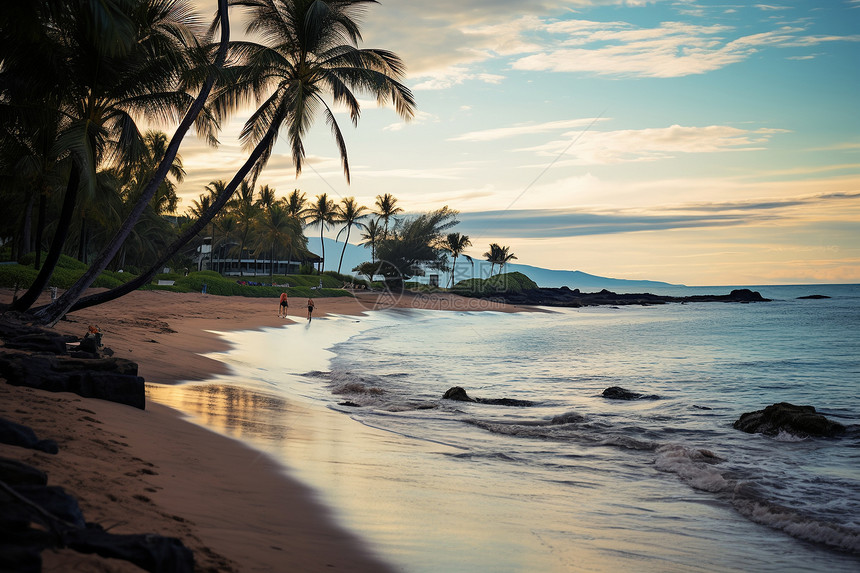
[419, 118]
[558, 223]
[636, 145]
[525, 129]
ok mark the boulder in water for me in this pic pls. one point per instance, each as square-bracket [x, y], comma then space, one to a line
[457, 393]
[619, 393]
[801, 421]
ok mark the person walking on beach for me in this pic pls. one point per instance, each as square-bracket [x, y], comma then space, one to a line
[284, 305]
[310, 308]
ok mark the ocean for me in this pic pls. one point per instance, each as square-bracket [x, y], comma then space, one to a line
[566, 480]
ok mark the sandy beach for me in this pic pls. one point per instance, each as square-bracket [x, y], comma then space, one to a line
[150, 471]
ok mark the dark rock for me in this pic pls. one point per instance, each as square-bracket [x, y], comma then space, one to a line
[801, 421]
[149, 552]
[55, 501]
[350, 404]
[459, 394]
[14, 473]
[456, 393]
[505, 402]
[24, 437]
[38, 342]
[35, 517]
[565, 297]
[619, 393]
[113, 379]
[813, 297]
[88, 344]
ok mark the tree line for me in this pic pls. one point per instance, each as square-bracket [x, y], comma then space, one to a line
[79, 175]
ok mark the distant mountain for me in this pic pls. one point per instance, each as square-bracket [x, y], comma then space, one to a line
[356, 255]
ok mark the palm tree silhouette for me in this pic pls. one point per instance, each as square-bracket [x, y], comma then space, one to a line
[349, 213]
[457, 243]
[323, 213]
[105, 77]
[372, 234]
[386, 208]
[310, 51]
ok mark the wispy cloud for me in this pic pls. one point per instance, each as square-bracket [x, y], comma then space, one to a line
[558, 223]
[629, 145]
[525, 129]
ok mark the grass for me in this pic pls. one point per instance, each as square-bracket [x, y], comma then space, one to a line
[69, 270]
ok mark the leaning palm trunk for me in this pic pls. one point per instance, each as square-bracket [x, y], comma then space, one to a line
[189, 234]
[51, 314]
[53, 256]
[345, 242]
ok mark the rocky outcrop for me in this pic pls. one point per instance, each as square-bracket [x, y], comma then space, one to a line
[24, 437]
[113, 379]
[619, 393]
[35, 516]
[800, 421]
[813, 297]
[459, 394]
[566, 297]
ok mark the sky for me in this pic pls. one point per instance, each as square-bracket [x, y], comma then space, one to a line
[692, 142]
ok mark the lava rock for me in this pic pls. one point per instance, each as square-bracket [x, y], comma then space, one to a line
[801, 421]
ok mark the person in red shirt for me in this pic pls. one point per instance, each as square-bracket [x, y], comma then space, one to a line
[284, 305]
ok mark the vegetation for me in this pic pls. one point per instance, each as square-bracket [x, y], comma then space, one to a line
[413, 245]
[498, 255]
[497, 284]
[76, 77]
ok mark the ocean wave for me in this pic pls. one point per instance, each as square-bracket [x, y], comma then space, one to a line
[695, 466]
[698, 468]
[798, 525]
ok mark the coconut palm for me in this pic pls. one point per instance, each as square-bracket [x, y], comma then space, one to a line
[415, 243]
[295, 203]
[309, 51]
[498, 255]
[386, 208]
[323, 213]
[265, 197]
[277, 230]
[371, 236]
[109, 79]
[246, 212]
[505, 256]
[350, 214]
[457, 243]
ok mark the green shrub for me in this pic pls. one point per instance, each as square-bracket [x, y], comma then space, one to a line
[17, 275]
[498, 284]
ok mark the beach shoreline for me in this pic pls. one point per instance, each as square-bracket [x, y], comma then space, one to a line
[153, 471]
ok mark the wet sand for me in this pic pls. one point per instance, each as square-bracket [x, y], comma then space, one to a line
[151, 471]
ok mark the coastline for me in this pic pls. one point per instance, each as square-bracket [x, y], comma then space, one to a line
[154, 472]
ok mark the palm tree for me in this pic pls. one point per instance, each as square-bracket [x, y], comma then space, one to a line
[295, 203]
[275, 229]
[265, 197]
[457, 243]
[246, 212]
[104, 86]
[492, 256]
[371, 236]
[505, 256]
[311, 51]
[415, 244]
[350, 214]
[386, 208]
[323, 212]
[498, 255]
